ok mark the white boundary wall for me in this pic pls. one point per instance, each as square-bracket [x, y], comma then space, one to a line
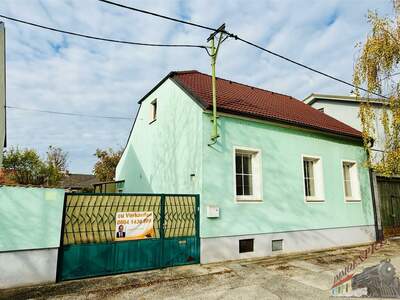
[27, 267]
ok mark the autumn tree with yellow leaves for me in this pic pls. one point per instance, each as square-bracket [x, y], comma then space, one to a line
[377, 68]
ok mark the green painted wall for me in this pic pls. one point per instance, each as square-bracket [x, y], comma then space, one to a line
[30, 218]
[283, 207]
[160, 157]
[2, 91]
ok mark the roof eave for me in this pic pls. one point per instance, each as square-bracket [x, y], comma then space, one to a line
[299, 125]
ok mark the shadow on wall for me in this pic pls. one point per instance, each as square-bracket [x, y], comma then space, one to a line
[136, 180]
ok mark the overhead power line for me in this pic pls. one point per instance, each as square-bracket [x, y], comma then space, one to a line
[68, 113]
[243, 41]
[157, 15]
[309, 68]
[101, 38]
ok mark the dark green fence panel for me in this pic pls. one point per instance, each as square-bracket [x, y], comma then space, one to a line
[87, 260]
[389, 194]
[181, 251]
[88, 247]
[137, 255]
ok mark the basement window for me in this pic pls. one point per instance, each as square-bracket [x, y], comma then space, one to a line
[277, 245]
[246, 245]
[153, 110]
[313, 179]
[350, 181]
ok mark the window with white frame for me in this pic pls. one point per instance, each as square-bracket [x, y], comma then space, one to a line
[153, 110]
[350, 181]
[313, 179]
[247, 174]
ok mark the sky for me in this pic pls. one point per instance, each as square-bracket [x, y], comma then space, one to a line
[53, 71]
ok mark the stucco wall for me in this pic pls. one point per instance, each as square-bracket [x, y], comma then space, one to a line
[30, 227]
[30, 218]
[29, 267]
[283, 207]
[161, 156]
[348, 112]
[226, 248]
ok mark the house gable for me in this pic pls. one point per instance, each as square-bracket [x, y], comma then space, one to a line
[162, 154]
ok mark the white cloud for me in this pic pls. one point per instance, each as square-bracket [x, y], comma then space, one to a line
[48, 70]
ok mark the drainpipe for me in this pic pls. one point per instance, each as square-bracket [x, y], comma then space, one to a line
[214, 53]
[214, 131]
[375, 197]
[376, 206]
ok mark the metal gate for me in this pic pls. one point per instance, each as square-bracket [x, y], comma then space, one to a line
[389, 194]
[88, 246]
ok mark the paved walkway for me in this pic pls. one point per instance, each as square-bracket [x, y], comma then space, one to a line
[305, 276]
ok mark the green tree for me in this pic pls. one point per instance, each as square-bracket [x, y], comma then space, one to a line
[377, 68]
[56, 162]
[104, 169]
[25, 166]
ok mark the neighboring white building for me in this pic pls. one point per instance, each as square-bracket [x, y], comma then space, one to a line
[346, 109]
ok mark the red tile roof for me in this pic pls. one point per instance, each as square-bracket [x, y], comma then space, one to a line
[240, 99]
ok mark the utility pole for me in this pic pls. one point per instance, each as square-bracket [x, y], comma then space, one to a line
[214, 52]
[2, 90]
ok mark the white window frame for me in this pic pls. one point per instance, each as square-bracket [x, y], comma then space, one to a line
[318, 179]
[354, 182]
[153, 111]
[257, 183]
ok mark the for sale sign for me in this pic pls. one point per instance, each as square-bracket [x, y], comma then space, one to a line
[135, 225]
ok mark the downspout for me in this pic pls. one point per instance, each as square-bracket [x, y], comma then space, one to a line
[214, 130]
[214, 53]
[375, 199]
[377, 221]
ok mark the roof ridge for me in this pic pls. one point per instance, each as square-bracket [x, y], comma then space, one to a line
[185, 72]
[239, 83]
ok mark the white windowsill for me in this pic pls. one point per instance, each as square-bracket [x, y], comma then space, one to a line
[314, 199]
[247, 199]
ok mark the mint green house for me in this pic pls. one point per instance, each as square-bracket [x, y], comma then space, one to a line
[282, 176]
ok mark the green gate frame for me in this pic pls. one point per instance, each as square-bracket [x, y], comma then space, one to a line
[161, 251]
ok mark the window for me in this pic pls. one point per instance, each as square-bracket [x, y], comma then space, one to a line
[350, 181]
[153, 111]
[313, 181]
[277, 245]
[247, 175]
[244, 174]
[246, 245]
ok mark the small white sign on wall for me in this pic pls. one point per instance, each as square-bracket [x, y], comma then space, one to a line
[212, 211]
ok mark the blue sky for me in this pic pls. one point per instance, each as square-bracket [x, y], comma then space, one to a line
[52, 71]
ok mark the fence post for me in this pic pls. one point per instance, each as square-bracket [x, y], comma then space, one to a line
[60, 253]
[162, 232]
[197, 220]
